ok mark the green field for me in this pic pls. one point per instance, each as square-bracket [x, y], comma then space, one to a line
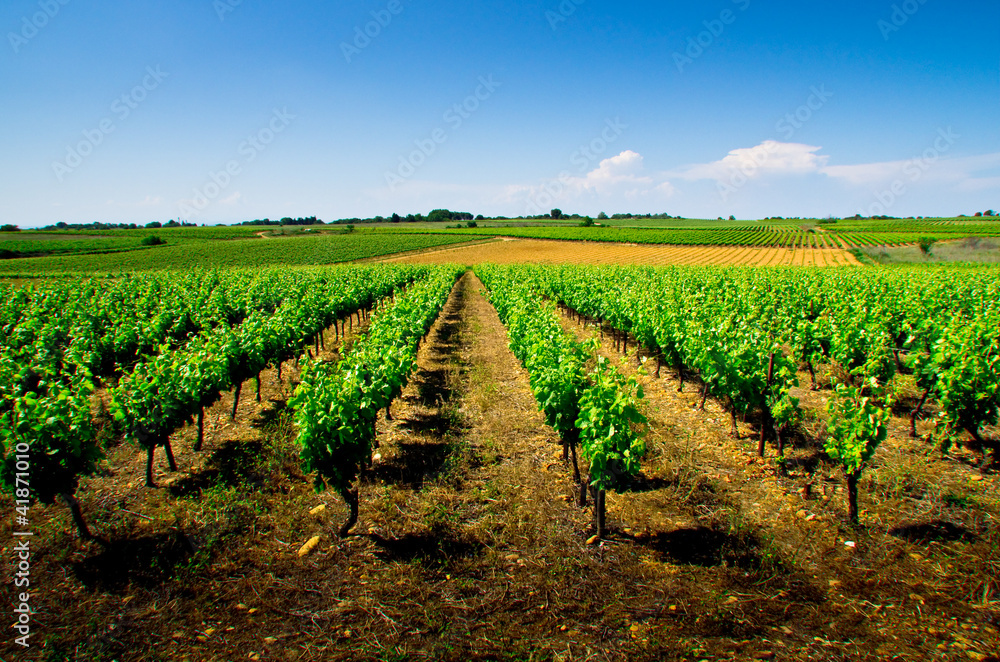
[110, 251]
[736, 234]
[185, 251]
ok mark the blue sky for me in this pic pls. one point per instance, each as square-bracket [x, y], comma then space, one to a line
[227, 110]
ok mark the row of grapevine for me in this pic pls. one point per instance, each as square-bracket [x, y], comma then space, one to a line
[166, 392]
[595, 407]
[744, 236]
[49, 415]
[744, 333]
[187, 252]
[101, 326]
[336, 404]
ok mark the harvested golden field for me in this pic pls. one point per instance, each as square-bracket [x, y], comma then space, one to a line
[508, 251]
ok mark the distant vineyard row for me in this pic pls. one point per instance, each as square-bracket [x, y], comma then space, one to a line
[182, 252]
[764, 236]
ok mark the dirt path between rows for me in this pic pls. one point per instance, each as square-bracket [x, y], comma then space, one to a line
[468, 547]
[893, 592]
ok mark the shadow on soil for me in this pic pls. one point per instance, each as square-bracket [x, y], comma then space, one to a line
[235, 463]
[936, 531]
[431, 419]
[806, 463]
[412, 465]
[643, 483]
[269, 415]
[146, 562]
[433, 548]
[433, 387]
[701, 546]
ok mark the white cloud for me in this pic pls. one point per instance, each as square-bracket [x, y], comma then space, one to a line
[666, 189]
[615, 179]
[769, 157]
[866, 173]
[622, 168]
[770, 178]
[939, 173]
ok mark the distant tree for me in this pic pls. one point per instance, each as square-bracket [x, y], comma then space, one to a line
[439, 216]
[978, 214]
[587, 222]
[480, 217]
[989, 212]
[172, 224]
[556, 214]
[602, 216]
[395, 218]
[154, 225]
[925, 244]
[732, 218]
[9, 228]
[472, 224]
[350, 227]
[153, 240]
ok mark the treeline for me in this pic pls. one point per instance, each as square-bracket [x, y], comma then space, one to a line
[436, 216]
[309, 220]
[989, 213]
[119, 226]
[447, 216]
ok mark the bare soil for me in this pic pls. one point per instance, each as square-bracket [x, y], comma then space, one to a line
[920, 576]
[470, 546]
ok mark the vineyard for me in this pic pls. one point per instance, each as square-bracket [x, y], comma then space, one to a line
[396, 461]
[799, 242]
[188, 248]
[843, 235]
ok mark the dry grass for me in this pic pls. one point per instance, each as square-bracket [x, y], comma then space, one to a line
[469, 546]
[923, 574]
